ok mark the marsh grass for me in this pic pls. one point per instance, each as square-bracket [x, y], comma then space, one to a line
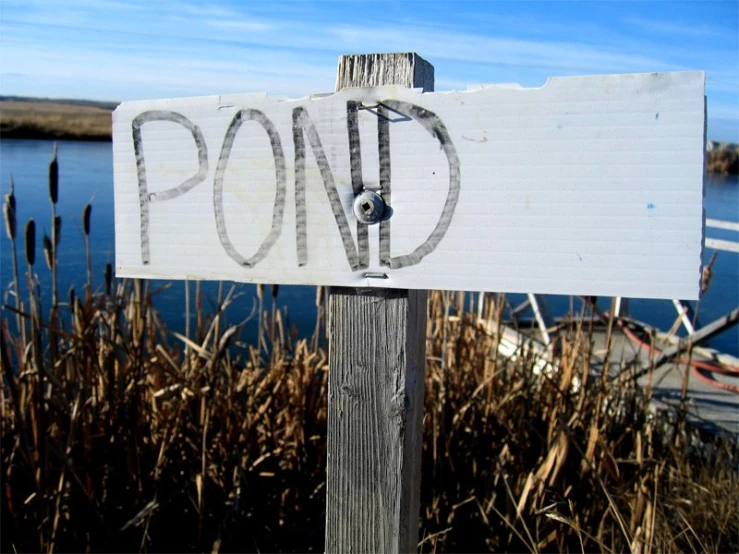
[120, 435]
[54, 120]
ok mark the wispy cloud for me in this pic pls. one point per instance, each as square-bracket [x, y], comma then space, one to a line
[674, 29]
[240, 25]
[542, 54]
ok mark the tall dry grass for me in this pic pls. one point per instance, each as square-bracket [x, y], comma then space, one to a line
[120, 435]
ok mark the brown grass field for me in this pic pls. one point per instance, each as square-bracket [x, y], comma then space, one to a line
[117, 434]
[39, 119]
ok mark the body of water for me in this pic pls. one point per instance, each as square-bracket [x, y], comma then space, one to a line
[86, 175]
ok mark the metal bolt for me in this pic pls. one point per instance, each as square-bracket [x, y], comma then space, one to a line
[369, 207]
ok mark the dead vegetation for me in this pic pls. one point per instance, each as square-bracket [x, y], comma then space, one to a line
[119, 435]
[723, 159]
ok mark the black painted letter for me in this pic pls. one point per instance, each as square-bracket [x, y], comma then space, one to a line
[433, 124]
[144, 197]
[355, 163]
[302, 123]
[280, 188]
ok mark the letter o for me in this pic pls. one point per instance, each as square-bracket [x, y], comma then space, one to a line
[280, 192]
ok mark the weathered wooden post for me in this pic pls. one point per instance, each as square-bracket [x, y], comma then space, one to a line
[376, 379]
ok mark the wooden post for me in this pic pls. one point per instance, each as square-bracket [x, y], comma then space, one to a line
[376, 381]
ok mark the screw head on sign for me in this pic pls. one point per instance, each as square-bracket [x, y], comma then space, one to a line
[369, 207]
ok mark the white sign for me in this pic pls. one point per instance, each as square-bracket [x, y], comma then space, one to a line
[587, 185]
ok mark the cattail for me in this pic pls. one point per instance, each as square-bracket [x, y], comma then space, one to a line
[108, 278]
[31, 242]
[260, 291]
[48, 251]
[319, 296]
[86, 219]
[57, 230]
[71, 297]
[9, 211]
[78, 305]
[275, 290]
[54, 178]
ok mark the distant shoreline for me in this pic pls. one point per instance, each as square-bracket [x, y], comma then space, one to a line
[31, 132]
[86, 120]
[40, 118]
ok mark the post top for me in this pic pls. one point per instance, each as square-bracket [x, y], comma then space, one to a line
[407, 69]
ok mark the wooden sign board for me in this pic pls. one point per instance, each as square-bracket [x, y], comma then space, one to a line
[587, 185]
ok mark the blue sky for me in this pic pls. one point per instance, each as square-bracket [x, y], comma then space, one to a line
[130, 49]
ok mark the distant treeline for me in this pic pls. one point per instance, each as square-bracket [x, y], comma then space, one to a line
[72, 119]
[722, 158]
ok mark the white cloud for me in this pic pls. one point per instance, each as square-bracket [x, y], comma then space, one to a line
[542, 54]
[674, 28]
[240, 25]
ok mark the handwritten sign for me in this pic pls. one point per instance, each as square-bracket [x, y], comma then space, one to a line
[587, 185]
